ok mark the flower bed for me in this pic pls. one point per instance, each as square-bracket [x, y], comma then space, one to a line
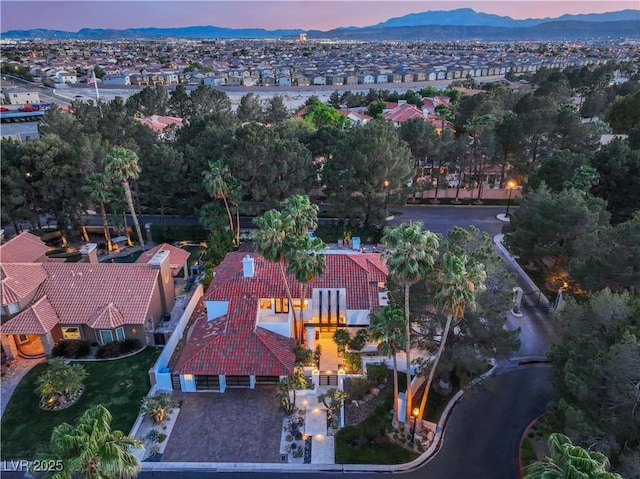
[61, 402]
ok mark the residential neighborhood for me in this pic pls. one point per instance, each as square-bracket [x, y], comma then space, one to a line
[401, 273]
[294, 63]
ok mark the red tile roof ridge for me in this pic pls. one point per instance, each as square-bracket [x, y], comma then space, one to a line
[19, 280]
[108, 317]
[39, 318]
[23, 248]
[78, 289]
[177, 256]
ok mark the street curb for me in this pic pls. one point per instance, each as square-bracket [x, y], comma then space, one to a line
[524, 435]
[421, 460]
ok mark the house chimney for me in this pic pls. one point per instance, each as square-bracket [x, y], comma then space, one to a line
[248, 268]
[160, 261]
[89, 253]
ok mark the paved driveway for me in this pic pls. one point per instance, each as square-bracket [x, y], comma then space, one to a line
[241, 425]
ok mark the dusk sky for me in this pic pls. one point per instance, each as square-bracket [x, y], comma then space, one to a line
[268, 14]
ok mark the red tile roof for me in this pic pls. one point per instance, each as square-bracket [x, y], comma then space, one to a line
[232, 344]
[39, 318]
[107, 318]
[159, 123]
[19, 280]
[79, 291]
[436, 122]
[177, 256]
[24, 248]
[403, 113]
[358, 273]
[101, 295]
[301, 112]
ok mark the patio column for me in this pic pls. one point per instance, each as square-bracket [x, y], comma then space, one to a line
[223, 382]
[9, 345]
[47, 343]
[311, 337]
[315, 378]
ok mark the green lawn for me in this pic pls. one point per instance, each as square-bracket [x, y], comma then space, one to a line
[118, 384]
[366, 442]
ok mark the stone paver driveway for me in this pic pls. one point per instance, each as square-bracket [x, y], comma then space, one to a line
[241, 425]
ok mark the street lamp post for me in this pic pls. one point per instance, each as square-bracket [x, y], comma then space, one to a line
[415, 412]
[511, 185]
[386, 194]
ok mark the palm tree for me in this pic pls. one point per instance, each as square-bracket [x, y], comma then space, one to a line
[341, 337]
[457, 284]
[100, 192]
[388, 327]
[60, 380]
[215, 182]
[568, 462]
[91, 450]
[410, 252]
[300, 213]
[270, 243]
[306, 262]
[122, 164]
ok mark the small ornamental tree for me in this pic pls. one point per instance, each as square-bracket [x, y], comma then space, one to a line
[287, 387]
[159, 406]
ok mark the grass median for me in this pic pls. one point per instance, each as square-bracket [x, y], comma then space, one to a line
[118, 384]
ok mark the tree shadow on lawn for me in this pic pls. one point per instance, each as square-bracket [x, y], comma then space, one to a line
[118, 384]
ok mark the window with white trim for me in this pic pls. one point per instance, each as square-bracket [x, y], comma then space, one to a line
[14, 308]
[106, 336]
[120, 333]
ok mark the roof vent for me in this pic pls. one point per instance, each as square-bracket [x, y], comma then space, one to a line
[248, 268]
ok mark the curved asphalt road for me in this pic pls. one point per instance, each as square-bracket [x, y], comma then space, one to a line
[481, 437]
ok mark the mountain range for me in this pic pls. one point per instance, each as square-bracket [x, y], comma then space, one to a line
[459, 24]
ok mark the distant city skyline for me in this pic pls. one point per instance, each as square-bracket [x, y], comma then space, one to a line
[74, 15]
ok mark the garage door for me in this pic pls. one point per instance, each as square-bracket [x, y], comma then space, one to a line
[267, 380]
[237, 381]
[208, 383]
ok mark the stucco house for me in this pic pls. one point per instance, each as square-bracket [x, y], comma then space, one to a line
[43, 301]
[164, 126]
[20, 96]
[245, 337]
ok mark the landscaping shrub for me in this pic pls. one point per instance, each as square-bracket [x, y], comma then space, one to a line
[377, 373]
[71, 348]
[359, 388]
[118, 348]
[109, 350]
[359, 340]
[130, 345]
[172, 233]
[352, 362]
[304, 356]
[159, 406]
[332, 231]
